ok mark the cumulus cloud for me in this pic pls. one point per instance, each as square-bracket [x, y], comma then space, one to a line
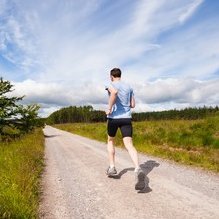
[52, 96]
[157, 95]
[183, 91]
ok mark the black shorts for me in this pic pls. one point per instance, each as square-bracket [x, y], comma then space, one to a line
[125, 126]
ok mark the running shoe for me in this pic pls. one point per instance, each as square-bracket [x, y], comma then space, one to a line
[111, 171]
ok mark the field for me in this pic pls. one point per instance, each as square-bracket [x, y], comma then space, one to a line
[21, 163]
[191, 142]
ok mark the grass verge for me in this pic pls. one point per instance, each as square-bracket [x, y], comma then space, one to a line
[193, 142]
[21, 164]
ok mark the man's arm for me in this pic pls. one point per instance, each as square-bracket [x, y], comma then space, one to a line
[112, 99]
[132, 102]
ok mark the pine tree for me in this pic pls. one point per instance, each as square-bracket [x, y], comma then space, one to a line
[8, 105]
[15, 118]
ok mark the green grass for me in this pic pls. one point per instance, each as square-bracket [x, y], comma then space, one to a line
[193, 142]
[21, 164]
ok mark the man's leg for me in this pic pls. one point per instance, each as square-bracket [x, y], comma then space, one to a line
[139, 174]
[132, 151]
[111, 151]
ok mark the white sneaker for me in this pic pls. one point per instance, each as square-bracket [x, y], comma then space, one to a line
[111, 171]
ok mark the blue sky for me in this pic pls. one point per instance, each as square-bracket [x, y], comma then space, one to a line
[59, 53]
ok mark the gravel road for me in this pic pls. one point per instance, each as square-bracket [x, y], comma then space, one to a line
[74, 184]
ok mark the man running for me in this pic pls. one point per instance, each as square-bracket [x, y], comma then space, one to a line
[121, 100]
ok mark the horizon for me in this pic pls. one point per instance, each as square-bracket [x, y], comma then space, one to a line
[197, 108]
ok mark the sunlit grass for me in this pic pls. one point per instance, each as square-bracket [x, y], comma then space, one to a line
[192, 142]
[21, 163]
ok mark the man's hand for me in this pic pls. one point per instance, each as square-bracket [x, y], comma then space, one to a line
[108, 112]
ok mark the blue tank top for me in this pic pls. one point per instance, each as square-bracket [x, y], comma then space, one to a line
[121, 108]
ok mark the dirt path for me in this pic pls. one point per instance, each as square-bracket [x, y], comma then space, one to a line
[75, 186]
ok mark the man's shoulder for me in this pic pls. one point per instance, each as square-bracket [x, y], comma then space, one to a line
[122, 83]
[127, 86]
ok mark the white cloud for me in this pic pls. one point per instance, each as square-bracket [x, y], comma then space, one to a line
[69, 46]
[190, 10]
[157, 95]
[189, 53]
[45, 111]
[59, 94]
[92, 55]
[17, 44]
[185, 91]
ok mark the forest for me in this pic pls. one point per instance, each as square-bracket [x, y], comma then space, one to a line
[86, 114]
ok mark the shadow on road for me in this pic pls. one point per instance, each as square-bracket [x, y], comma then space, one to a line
[147, 167]
[50, 136]
[118, 176]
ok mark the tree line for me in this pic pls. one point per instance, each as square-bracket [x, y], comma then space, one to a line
[79, 114]
[86, 114]
[15, 119]
[187, 114]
